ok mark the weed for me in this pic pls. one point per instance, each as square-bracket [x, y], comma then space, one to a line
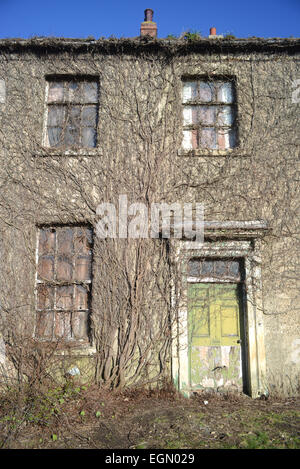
[229, 36]
[192, 35]
[174, 445]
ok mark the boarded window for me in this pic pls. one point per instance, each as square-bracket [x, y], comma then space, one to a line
[72, 113]
[209, 115]
[64, 280]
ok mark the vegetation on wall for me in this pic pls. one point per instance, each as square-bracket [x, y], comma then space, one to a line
[139, 134]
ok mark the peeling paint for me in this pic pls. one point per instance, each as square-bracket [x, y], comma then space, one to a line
[255, 368]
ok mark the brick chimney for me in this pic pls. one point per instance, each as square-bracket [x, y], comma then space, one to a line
[148, 27]
[213, 34]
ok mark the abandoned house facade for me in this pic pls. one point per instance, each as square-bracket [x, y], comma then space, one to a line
[142, 121]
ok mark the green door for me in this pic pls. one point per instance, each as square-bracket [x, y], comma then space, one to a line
[214, 313]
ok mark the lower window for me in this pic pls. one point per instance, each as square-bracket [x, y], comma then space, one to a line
[64, 280]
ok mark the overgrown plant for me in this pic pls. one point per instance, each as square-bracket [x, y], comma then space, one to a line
[139, 133]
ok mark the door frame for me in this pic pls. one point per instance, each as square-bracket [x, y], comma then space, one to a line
[227, 240]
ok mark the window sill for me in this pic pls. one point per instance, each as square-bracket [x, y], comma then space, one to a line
[77, 347]
[50, 152]
[232, 152]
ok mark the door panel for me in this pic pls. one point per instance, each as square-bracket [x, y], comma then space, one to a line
[214, 336]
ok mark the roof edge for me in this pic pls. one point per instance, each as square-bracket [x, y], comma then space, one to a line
[147, 44]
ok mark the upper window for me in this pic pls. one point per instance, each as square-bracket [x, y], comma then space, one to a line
[72, 113]
[64, 282]
[209, 115]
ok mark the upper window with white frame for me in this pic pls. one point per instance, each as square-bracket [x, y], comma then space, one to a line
[209, 114]
[72, 109]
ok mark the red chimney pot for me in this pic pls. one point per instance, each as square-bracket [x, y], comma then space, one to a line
[213, 31]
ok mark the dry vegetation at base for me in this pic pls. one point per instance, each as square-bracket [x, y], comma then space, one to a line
[88, 417]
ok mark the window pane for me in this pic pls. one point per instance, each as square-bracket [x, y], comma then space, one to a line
[54, 136]
[225, 115]
[187, 140]
[220, 268]
[56, 115]
[83, 241]
[207, 115]
[72, 136]
[189, 91]
[56, 92]
[187, 115]
[88, 137]
[225, 92]
[81, 298]
[89, 116]
[194, 267]
[46, 268]
[83, 268]
[207, 268]
[62, 325]
[226, 138]
[234, 268]
[64, 297]
[208, 138]
[90, 92]
[75, 94]
[46, 241]
[192, 114]
[72, 130]
[206, 92]
[79, 324]
[64, 269]
[65, 241]
[190, 139]
[44, 325]
[45, 297]
[232, 138]
[74, 115]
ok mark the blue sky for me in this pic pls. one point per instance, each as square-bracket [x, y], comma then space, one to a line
[83, 18]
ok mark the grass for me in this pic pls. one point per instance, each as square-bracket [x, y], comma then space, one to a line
[74, 416]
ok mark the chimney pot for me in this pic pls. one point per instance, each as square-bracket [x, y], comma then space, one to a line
[213, 31]
[149, 27]
[148, 14]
